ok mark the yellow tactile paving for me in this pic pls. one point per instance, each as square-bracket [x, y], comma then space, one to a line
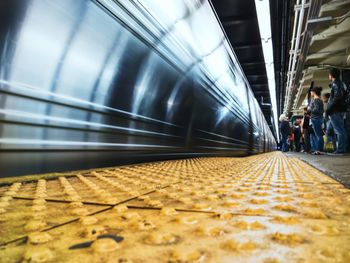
[37, 215]
[265, 208]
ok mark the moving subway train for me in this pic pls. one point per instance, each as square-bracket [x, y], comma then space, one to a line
[98, 83]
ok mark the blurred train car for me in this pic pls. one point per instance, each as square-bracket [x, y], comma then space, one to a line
[99, 83]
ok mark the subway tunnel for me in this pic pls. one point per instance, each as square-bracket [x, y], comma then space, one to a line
[149, 131]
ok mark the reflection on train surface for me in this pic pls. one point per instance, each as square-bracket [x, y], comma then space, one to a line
[97, 83]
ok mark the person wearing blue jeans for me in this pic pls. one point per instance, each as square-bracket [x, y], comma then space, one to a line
[313, 141]
[285, 146]
[330, 136]
[316, 109]
[337, 120]
[317, 126]
[336, 109]
[328, 127]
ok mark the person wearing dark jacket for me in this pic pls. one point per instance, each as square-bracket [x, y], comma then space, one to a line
[305, 124]
[316, 109]
[297, 135]
[336, 109]
[285, 132]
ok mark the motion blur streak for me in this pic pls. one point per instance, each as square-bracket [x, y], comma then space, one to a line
[99, 83]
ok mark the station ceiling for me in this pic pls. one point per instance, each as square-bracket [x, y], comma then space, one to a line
[329, 47]
[240, 22]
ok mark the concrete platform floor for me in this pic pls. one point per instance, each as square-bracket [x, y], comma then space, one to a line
[337, 167]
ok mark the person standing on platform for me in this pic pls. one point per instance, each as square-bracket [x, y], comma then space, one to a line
[330, 136]
[316, 109]
[297, 135]
[313, 139]
[291, 141]
[285, 132]
[336, 109]
[305, 123]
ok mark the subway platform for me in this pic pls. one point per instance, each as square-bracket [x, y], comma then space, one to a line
[337, 167]
[265, 208]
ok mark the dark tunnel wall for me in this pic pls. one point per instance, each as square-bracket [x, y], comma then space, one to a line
[99, 83]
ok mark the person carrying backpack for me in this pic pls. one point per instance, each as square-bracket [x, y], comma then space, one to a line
[336, 109]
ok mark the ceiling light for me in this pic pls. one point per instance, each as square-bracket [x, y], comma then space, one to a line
[263, 11]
